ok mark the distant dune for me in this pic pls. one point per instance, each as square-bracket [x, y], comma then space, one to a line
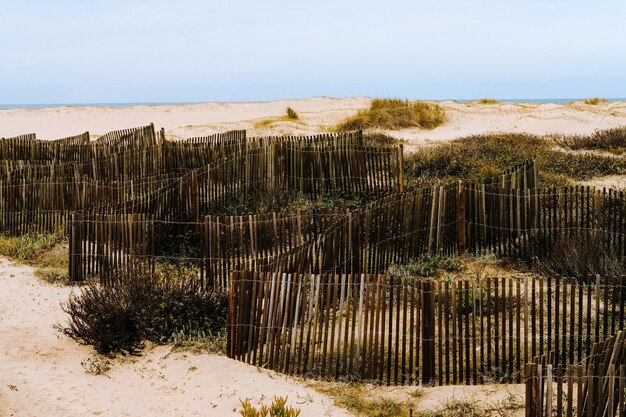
[316, 115]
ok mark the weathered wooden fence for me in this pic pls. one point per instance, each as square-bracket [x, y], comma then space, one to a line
[412, 331]
[595, 387]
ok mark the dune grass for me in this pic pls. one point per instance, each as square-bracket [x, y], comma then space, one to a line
[595, 101]
[392, 114]
[47, 253]
[488, 101]
[289, 116]
[482, 157]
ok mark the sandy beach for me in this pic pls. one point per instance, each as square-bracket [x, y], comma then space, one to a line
[316, 115]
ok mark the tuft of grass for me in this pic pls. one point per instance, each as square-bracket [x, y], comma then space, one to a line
[394, 114]
[488, 101]
[47, 253]
[595, 101]
[291, 114]
[278, 408]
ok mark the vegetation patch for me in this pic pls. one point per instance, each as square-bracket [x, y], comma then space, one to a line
[391, 114]
[47, 253]
[139, 306]
[612, 140]
[474, 408]
[488, 101]
[483, 157]
[595, 101]
[580, 256]
[380, 140]
[364, 401]
[427, 266]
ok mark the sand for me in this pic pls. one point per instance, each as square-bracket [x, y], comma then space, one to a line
[41, 372]
[317, 114]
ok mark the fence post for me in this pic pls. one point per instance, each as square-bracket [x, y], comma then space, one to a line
[531, 390]
[195, 204]
[400, 157]
[460, 219]
[75, 247]
[428, 334]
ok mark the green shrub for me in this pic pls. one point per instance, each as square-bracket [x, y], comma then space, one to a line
[394, 114]
[141, 306]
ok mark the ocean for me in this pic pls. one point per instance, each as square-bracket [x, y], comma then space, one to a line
[122, 105]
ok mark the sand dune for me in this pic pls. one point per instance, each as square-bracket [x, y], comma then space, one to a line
[317, 114]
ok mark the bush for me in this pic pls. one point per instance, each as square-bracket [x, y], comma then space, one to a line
[395, 114]
[141, 306]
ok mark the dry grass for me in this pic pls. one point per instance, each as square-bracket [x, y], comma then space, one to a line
[474, 408]
[366, 401]
[375, 401]
[392, 114]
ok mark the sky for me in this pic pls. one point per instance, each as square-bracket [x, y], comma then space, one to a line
[98, 51]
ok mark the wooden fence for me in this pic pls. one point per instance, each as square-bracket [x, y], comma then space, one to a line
[595, 387]
[411, 331]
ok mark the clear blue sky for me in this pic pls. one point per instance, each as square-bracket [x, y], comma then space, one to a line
[77, 51]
